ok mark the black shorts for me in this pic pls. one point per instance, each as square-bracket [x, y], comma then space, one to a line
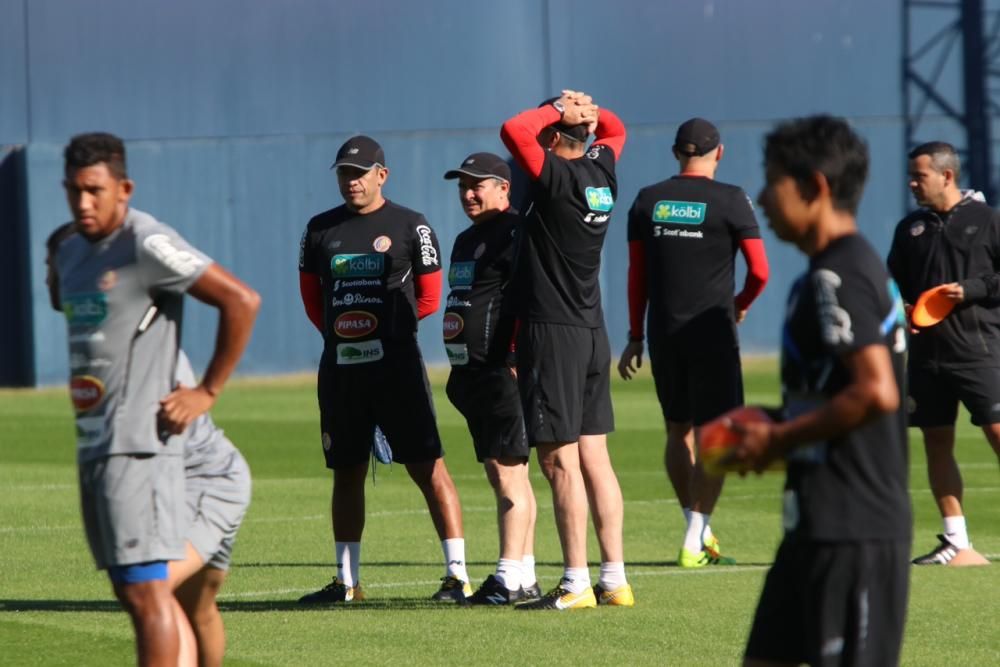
[392, 393]
[695, 381]
[934, 395]
[564, 374]
[489, 401]
[833, 603]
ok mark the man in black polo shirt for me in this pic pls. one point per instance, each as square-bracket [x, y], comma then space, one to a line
[563, 356]
[953, 240]
[368, 271]
[683, 234]
[837, 592]
[477, 337]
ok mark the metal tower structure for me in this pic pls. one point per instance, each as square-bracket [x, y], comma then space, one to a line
[951, 82]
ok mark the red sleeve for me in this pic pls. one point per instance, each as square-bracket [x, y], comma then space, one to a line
[637, 289]
[520, 136]
[427, 287]
[757, 272]
[513, 337]
[610, 131]
[312, 297]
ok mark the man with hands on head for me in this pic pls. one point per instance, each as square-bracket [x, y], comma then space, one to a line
[563, 355]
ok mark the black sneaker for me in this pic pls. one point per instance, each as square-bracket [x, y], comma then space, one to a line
[453, 589]
[941, 555]
[493, 592]
[532, 592]
[561, 599]
[333, 592]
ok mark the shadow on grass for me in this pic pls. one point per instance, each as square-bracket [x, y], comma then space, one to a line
[103, 606]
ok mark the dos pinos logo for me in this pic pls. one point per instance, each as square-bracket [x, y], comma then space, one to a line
[357, 265]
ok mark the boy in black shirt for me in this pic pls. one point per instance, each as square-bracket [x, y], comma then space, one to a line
[837, 591]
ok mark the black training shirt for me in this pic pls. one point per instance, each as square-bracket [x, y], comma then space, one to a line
[691, 228]
[853, 487]
[559, 252]
[366, 264]
[480, 270]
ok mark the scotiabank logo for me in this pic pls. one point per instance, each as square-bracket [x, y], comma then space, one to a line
[85, 391]
[453, 325]
[355, 324]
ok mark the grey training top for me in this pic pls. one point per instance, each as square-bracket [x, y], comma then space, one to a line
[121, 362]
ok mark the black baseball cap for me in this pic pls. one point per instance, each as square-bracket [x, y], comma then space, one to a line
[696, 137]
[361, 152]
[578, 132]
[482, 165]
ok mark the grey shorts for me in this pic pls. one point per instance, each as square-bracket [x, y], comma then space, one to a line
[217, 500]
[133, 508]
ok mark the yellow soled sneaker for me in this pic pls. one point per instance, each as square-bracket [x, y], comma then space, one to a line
[452, 589]
[692, 559]
[561, 599]
[334, 592]
[619, 597]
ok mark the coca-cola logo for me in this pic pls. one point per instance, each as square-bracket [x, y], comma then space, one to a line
[85, 391]
[355, 324]
[453, 325]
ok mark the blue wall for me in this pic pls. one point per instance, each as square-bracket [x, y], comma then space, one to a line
[233, 111]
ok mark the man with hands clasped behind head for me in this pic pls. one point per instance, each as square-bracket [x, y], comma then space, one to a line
[563, 355]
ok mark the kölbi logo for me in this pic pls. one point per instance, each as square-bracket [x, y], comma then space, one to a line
[354, 265]
[460, 274]
[683, 212]
[85, 309]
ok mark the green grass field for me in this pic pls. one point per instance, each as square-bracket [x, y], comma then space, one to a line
[56, 610]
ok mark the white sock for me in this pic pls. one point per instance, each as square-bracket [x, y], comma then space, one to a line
[528, 577]
[612, 576]
[706, 534]
[454, 558]
[956, 531]
[687, 514]
[695, 529]
[575, 579]
[509, 573]
[348, 555]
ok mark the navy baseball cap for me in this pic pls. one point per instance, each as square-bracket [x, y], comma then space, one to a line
[696, 137]
[482, 165]
[361, 152]
[578, 132]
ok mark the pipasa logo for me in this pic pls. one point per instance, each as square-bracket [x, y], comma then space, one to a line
[683, 212]
[85, 391]
[453, 325]
[355, 324]
[357, 265]
[85, 309]
[600, 199]
[460, 274]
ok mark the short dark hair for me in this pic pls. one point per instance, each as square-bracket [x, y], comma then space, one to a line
[86, 150]
[826, 144]
[943, 156]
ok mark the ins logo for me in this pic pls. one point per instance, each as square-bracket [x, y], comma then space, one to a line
[86, 392]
